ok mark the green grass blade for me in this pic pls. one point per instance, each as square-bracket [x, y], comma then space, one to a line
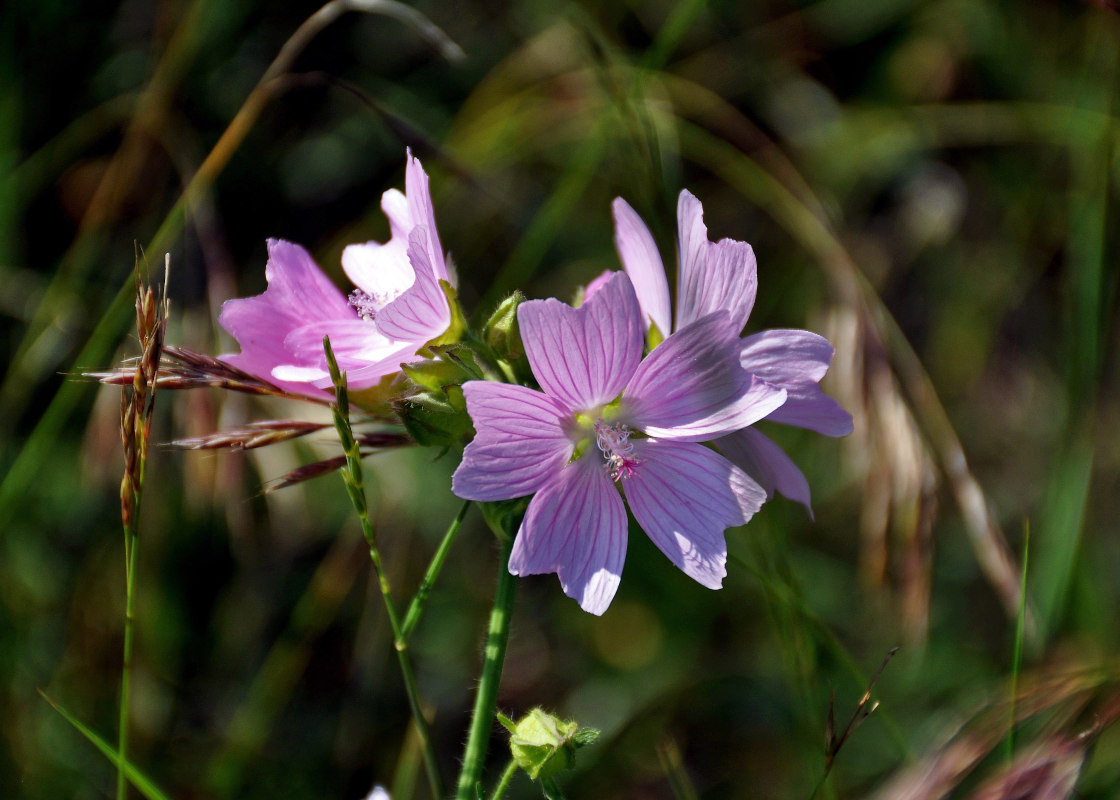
[142, 782]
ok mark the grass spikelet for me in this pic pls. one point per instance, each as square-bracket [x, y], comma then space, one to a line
[137, 405]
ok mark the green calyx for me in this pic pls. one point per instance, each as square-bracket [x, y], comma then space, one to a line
[543, 744]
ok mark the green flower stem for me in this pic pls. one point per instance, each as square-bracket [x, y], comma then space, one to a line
[355, 488]
[130, 550]
[503, 784]
[416, 607]
[486, 702]
[551, 789]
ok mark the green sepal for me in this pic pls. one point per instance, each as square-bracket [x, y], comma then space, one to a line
[377, 400]
[654, 337]
[501, 331]
[504, 516]
[543, 744]
[436, 419]
[435, 374]
[458, 324]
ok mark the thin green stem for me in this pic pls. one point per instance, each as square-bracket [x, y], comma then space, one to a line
[416, 607]
[130, 550]
[551, 789]
[503, 784]
[355, 489]
[486, 701]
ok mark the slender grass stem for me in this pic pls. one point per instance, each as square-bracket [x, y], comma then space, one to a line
[416, 607]
[355, 489]
[130, 551]
[486, 701]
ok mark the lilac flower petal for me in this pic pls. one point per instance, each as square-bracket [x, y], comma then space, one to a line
[638, 253]
[298, 293]
[685, 496]
[767, 463]
[576, 527]
[520, 444]
[584, 356]
[692, 244]
[395, 207]
[691, 387]
[382, 271]
[596, 283]
[421, 313]
[796, 360]
[423, 214]
[787, 357]
[362, 351]
[809, 407]
[728, 281]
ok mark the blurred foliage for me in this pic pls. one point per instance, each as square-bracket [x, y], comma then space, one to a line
[931, 184]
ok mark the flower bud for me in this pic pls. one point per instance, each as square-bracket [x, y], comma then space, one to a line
[501, 332]
[436, 418]
[543, 744]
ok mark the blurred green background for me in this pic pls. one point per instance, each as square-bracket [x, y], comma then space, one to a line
[933, 185]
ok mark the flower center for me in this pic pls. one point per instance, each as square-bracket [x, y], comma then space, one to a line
[367, 305]
[618, 450]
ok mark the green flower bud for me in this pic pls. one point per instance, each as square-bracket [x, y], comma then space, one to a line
[501, 332]
[437, 418]
[543, 744]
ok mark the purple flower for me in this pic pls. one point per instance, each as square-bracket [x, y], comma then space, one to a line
[723, 276]
[397, 308]
[607, 417]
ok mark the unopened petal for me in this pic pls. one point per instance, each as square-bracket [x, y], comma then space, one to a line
[584, 356]
[638, 253]
[767, 463]
[519, 446]
[685, 496]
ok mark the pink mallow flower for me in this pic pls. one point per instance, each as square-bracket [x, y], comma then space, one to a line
[608, 422]
[397, 308]
[723, 276]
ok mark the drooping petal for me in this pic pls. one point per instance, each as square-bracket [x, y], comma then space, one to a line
[576, 527]
[584, 356]
[691, 387]
[421, 313]
[298, 294]
[423, 214]
[725, 279]
[519, 447]
[767, 463]
[692, 247]
[638, 253]
[685, 496]
[796, 360]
